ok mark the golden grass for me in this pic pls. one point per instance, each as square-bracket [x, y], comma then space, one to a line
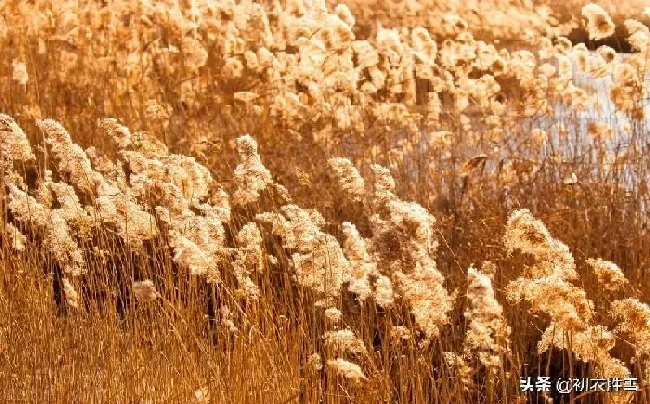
[247, 202]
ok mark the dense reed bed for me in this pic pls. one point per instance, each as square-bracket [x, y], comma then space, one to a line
[304, 201]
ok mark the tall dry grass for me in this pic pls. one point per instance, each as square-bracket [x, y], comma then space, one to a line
[300, 201]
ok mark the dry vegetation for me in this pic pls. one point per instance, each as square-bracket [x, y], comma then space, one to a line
[303, 201]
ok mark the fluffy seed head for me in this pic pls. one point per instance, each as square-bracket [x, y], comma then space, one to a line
[145, 291]
[346, 369]
[608, 273]
[598, 23]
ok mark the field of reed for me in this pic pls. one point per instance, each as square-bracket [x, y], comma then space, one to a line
[306, 201]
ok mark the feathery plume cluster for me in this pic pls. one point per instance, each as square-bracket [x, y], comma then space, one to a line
[251, 177]
[598, 23]
[319, 261]
[76, 217]
[634, 323]
[548, 291]
[487, 333]
[194, 180]
[176, 187]
[308, 64]
[546, 284]
[384, 293]
[26, 209]
[190, 256]
[145, 291]
[333, 314]
[422, 286]
[134, 224]
[71, 295]
[346, 369]
[591, 345]
[344, 341]
[119, 134]
[248, 259]
[52, 224]
[63, 246]
[608, 273]
[429, 301]
[628, 90]
[70, 158]
[14, 149]
[13, 142]
[348, 177]
[462, 370]
[407, 227]
[362, 266]
[383, 185]
[638, 35]
[530, 236]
